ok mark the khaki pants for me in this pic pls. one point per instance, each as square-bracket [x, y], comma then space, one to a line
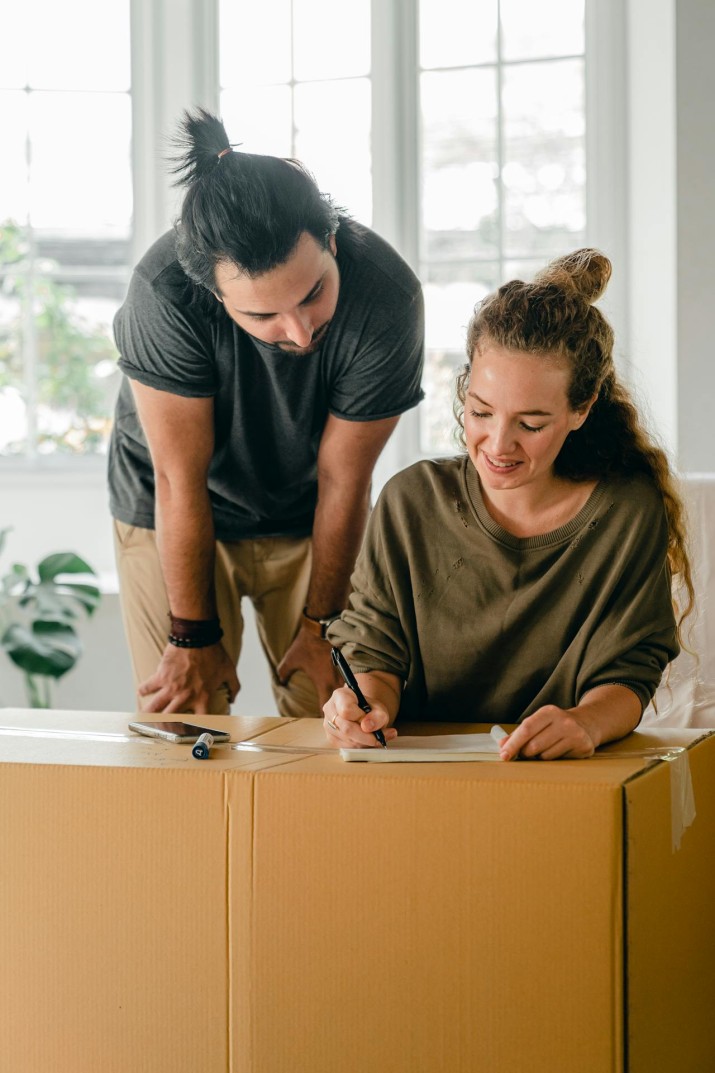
[272, 572]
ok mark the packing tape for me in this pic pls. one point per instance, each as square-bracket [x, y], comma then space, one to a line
[64, 735]
[255, 747]
[682, 798]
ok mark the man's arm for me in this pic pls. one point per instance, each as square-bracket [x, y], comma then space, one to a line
[179, 432]
[346, 459]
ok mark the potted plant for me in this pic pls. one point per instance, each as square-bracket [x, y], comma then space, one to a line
[38, 613]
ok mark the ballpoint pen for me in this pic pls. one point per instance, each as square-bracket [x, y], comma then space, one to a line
[351, 682]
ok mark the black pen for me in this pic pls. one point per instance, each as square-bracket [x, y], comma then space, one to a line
[351, 682]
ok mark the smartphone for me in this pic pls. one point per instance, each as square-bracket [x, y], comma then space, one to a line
[178, 731]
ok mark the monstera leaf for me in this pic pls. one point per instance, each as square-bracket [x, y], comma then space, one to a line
[49, 648]
[53, 598]
[40, 613]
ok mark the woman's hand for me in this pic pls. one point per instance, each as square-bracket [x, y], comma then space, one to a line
[348, 727]
[605, 713]
[551, 733]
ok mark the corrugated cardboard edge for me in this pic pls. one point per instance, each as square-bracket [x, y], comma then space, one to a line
[683, 1041]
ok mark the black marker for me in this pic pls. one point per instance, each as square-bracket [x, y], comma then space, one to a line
[202, 748]
[350, 681]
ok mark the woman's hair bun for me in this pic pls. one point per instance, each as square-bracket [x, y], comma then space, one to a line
[585, 272]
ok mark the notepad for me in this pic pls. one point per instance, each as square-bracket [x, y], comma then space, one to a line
[434, 748]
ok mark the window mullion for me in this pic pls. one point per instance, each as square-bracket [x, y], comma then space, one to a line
[29, 344]
[396, 168]
[174, 66]
[395, 125]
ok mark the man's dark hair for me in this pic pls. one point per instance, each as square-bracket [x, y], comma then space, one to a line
[248, 209]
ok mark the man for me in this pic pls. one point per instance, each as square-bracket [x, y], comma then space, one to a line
[269, 345]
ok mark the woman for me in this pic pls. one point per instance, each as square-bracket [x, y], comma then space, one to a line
[530, 581]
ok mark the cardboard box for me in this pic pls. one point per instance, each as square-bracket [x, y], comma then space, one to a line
[272, 909]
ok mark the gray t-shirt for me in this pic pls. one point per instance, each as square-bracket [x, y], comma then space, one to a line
[270, 407]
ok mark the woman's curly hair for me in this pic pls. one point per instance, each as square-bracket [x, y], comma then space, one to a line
[555, 316]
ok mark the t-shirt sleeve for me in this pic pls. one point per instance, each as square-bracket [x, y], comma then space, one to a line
[382, 375]
[162, 343]
[636, 636]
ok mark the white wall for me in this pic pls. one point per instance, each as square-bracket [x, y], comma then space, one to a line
[695, 157]
[671, 219]
[46, 521]
[652, 200]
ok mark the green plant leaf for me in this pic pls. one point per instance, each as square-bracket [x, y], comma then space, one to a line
[54, 601]
[49, 648]
[87, 595]
[17, 579]
[63, 562]
[49, 606]
[52, 597]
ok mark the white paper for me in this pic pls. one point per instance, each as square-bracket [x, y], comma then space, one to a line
[435, 748]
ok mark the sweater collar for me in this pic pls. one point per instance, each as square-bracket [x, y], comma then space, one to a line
[473, 487]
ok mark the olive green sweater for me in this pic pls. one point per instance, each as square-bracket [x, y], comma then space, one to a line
[483, 626]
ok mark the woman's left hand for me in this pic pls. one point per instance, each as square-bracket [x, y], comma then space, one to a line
[551, 733]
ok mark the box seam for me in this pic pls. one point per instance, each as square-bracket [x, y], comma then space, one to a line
[625, 957]
[229, 924]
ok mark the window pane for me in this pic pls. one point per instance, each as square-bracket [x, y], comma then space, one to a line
[16, 27]
[503, 162]
[58, 375]
[448, 307]
[526, 269]
[13, 202]
[13, 408]
[254, 42]
[455, 34]
[319, 115]
[341, 162]
[65, 225]
[80, 174]
[544, 169]
[459, 137]
[529, 31]
[332, 40]
[260, 118]
[438, 425]
[79, 44]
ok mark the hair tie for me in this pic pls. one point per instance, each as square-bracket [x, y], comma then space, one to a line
[224, 151]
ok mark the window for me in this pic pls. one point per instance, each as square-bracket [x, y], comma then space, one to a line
[65, 222]
[499, 129]
[503, 164]
[306, 93]
[457, 129]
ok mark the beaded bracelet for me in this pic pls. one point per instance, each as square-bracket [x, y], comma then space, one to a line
[194, 633]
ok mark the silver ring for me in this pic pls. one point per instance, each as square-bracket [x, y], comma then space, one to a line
[332, 725]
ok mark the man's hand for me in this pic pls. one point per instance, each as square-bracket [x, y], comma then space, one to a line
[311, 655]
[186, 679]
